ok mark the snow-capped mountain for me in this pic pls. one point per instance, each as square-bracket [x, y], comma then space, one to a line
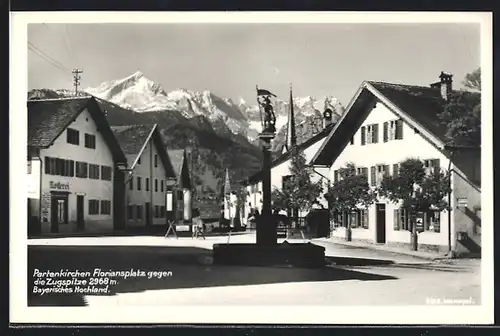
[139, 93]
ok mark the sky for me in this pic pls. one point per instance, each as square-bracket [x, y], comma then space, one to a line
[231, 59]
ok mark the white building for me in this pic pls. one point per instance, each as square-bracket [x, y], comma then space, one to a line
[148, 177]
[74, 180]
[385, 124]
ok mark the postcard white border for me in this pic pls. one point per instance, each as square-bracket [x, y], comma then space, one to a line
[21, 313]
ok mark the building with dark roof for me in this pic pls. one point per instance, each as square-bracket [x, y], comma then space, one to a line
[150, 173]
[386, 123]
[183, 196]
[75, 168]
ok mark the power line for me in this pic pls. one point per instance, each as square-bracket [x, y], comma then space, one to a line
[42, 54]
[46, 59]
[74, 55]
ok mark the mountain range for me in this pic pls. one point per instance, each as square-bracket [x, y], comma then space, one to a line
[219, 132]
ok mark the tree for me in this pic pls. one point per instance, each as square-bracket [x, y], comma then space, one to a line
[473, 80]
[350, 192]
[416, 190]
[462, 113]
[299, 191]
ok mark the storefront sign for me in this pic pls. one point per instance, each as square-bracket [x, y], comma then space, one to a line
[182, 228]
[58, 185]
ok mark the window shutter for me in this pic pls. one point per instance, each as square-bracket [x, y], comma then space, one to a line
[399, 129]
[386, 170]
[375, 133]
[396, 219]
[435, 165]
[335, 176]
[395, 169]
[373, 175]
[363, 136]
[385, 132]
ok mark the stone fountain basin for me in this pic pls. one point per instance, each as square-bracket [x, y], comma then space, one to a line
[305, 255]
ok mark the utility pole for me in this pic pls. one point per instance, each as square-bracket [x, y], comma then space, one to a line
[76, 79]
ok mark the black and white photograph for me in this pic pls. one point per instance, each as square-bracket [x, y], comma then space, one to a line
[327, 168]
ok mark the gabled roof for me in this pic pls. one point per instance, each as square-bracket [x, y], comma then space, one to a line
[178, 157]
[418, 106]
[49, 118]
[133, 139]
[257, 177]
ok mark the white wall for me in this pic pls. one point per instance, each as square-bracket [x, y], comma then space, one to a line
[389, 153]
[147, 170]
[92, 189]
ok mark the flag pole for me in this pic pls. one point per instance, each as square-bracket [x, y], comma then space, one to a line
[258, 104]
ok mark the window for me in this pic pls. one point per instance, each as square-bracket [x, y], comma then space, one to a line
[372, 134]
[393, 130]
[138, 183]
[94, 171]
[157, 211]
[106, 173]
[335, 176]
[377, 173]
[179, 194]
[353, 219]
[161, 186]
[363, 218]
[285, 179]
[82, 169]
[156, 185]
[395, 169]
[73, 136]
[147, 184]
[401, 220]
[432, 166]
[59, 167]
[156, 160]
[362, 171]
[90, 141]
[139, 211]
[162, 211]
[93, 207]
[433, 222]
[105, 207]
[130, 212]
[131, 184]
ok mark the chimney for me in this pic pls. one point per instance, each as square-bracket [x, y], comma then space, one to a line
[444, 84]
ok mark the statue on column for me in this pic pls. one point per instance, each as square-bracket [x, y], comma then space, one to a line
[269, 116]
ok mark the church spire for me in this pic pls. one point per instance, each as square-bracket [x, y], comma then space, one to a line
[291, 138]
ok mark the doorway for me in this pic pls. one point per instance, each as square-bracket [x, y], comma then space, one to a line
[58, 211]
[80, 222]
[380, 223]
